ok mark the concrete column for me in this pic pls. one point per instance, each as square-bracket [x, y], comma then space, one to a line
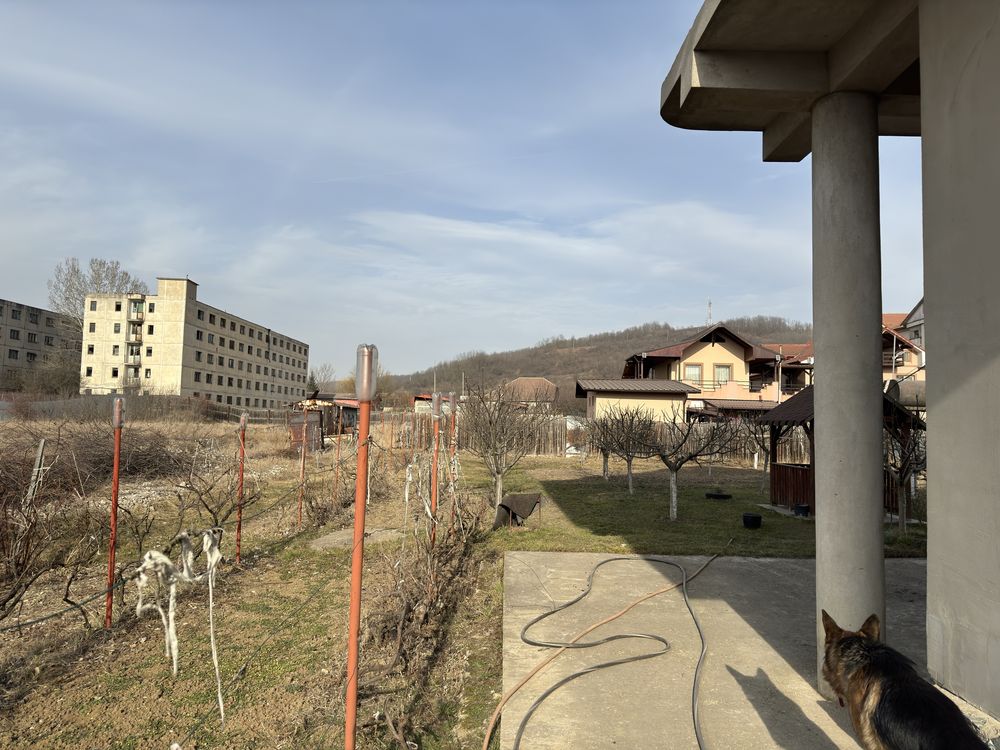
[847, 313]
[960, 119]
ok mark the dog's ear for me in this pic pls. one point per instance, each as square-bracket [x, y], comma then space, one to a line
[832, 629]
[871, 629]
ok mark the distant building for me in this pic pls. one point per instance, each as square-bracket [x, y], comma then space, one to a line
[30, 336]
[172, 343]
[532, 391]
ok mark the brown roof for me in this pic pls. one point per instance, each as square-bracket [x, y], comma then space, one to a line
[638, 385]
[893, 320]
[740, 404]
[755, 350]
[532, 389]
[799, 409]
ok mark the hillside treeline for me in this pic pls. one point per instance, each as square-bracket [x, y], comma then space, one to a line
[564, 360]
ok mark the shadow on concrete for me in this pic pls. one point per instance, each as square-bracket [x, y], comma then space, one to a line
[785, 721]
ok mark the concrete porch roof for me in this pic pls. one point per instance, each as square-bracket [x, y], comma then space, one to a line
[760, 65]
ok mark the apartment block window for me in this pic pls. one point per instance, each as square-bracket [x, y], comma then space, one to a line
[32, 317]
[149, 351]
[114, 372]
[152, 307]
[201, 315]
[229, 399]
[232, 325]
[222, 322]
[211, 319]
[232, 344]
[239, 382]
[211, 338]
[93, 305]
[229, 382]
[251, 333]
[230, 364]
[118, 327]
[222, 340]
[256, 386]
[197, 377]
[197, 356]
[90, 371]
[238, 401]
[250, 350]
[258, 369]
[266, 372]
[49, 322]
[239, 365]
[114, 350]
[198, 335]
[148, 373]
[15, 334]
[49, 341]
[90, 348]
[93, 328]
[118, 306]
[219, 398]
[241, 347]
[256, 402]
[12, 354]
[259, 334]
[208, 378]
[15, 314]
[211, 359]
[149, 329]
[243, 330]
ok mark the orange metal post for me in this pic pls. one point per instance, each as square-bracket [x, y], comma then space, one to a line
[451, 464]
[436, 419]
[239, 485]
[117, 421]
[302, 468]
[367, 367]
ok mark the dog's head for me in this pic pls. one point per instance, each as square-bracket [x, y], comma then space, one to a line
[840, 649]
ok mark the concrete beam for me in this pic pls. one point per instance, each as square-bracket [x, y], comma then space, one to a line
[753, 81]
[882, 44]
[788, 137]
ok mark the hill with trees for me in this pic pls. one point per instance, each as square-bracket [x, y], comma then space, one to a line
[565, 360]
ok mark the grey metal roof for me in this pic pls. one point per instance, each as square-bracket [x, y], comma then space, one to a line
[636, 385]
[739, 404]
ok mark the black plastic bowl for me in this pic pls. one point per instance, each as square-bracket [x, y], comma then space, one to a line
[718, 495]
[751, 520]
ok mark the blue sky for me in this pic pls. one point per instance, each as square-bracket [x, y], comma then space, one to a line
[432, 177]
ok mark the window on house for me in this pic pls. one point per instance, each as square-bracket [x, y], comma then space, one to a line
[90, 348]
[90, 371]
[152, 307]
[149, 329]
[148, 373]
[93, 305]
[149, 351]
[118, 306]
[114, 372]
[93, 328]
[118, 327]
[15, 334]
[692, 372]
[201, 315]
[723, 373]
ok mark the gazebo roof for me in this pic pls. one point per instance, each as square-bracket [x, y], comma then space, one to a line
[799, 410]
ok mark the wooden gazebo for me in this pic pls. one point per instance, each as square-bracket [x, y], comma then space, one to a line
[794, 483]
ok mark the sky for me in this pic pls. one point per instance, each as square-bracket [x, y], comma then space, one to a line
[434, 177]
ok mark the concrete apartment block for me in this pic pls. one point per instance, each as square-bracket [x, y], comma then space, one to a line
[29, 337]
[171, 343]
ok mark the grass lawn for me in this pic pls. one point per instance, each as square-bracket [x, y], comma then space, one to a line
[582, 512]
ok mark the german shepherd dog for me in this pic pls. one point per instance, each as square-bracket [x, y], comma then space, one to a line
[892, 707]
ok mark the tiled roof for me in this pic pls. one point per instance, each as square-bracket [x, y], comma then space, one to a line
[527, 388]
[638, 385]
[740, 404]
[893, 321]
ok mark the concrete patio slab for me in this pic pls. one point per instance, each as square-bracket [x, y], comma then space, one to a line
[757, 688]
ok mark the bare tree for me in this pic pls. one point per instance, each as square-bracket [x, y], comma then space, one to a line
[325, 377]
[500, 430]
[677, 443]
[757, 437]
[70, 284]
[599, 434]
[628, 433]
[905, 457]
[210, 488]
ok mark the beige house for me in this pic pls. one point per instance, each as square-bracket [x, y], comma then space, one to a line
[172, 343]
[723, 365]
[532, 391]
[29, 337]
[666, 399]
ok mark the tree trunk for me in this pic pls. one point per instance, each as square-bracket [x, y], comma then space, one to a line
[628, 467]
[604, 469]
[673, 495]
[497, 489]
[904, 504]
[764, 476]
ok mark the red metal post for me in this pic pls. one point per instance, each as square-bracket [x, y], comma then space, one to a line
[118, 420]
[453, 401]
[436, 419]
[365, 386]
[302, 468]
[239, 484]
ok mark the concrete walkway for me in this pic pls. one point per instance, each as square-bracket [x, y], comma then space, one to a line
[757, 686]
